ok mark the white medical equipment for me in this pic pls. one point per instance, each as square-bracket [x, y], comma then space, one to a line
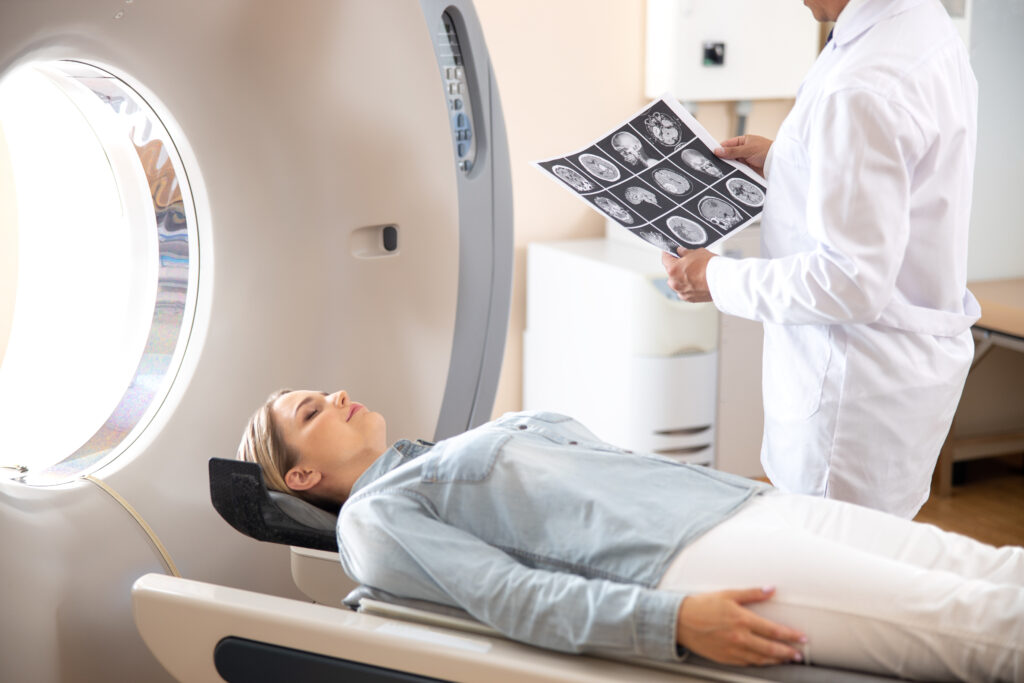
[608, 342]
[342, 220]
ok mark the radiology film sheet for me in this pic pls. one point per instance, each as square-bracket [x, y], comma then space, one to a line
[656, 176]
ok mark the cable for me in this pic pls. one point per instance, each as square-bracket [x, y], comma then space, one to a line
[165, 556]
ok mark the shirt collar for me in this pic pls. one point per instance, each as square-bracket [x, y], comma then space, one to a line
[400, 453]
[860, 15]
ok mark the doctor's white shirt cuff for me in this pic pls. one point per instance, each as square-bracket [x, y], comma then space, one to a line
[722, 283]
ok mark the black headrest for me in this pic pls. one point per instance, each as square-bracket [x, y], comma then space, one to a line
[240, 495]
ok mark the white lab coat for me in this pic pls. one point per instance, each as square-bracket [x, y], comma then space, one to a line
[863, 292]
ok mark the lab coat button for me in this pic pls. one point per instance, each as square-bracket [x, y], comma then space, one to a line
[572, 443]
[522, 426]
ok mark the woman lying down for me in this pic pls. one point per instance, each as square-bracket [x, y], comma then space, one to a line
[537, 528]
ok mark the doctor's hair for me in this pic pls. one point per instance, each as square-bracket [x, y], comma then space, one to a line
[262, 444]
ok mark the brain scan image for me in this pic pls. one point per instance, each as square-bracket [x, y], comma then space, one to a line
[631, 149]
[687, 230]
[663, 128]
[599, 167]
[719, 212]
[637, 195]
[657, 239]
[573, 178]
[614, 209]
[672, 182]
[745, 191]
[699, 162]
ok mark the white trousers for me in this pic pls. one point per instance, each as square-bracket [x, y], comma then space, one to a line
[872, 591]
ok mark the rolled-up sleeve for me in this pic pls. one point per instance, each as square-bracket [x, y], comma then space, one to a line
[395, 543]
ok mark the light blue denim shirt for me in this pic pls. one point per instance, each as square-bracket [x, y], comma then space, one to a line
[537, 528]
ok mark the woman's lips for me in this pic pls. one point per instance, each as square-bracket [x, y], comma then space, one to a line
[355, 407]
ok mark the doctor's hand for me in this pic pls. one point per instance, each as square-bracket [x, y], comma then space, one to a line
[752, 150]
[687, 274]
[718, 626]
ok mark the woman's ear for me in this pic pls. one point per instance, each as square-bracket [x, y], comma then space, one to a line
[302, 478]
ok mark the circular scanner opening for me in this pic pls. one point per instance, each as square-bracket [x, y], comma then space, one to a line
[98, 264]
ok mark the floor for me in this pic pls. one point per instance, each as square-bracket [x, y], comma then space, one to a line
[987, 502]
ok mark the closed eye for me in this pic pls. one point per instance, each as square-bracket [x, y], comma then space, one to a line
[311, 414]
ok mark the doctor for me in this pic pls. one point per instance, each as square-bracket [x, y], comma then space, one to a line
[862, 290]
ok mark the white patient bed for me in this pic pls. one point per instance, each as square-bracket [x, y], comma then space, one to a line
[249, 634]
[204, 632]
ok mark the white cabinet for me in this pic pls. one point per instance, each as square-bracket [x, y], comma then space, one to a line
[608, 343]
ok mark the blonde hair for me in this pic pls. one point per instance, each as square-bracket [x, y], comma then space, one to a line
[262, 444]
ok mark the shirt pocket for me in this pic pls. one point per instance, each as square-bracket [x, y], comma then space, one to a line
[796, 358]
[558, 429]
[789, 150]
[469, 458]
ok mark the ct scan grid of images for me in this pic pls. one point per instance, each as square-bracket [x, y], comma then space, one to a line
[656, 176]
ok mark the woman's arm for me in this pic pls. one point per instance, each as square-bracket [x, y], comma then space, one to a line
[395, 543]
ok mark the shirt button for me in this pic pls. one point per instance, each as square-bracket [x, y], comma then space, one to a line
[572, 443]
[522, 426]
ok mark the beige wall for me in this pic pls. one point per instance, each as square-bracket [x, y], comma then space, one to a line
[568, 71]
[8, 246]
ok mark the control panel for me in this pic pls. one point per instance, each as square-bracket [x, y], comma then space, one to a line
[457, 92]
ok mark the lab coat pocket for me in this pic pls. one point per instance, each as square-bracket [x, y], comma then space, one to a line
[791, 150]
[468, 457]
[795, 360]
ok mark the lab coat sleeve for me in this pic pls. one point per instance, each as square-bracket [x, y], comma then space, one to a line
[858, 166]
[395, 543]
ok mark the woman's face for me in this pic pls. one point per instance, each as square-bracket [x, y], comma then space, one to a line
[335, 440]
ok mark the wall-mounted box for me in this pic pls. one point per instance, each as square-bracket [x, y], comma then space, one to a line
[767, 47]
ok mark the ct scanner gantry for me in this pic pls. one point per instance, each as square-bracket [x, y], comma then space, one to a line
[334, 176]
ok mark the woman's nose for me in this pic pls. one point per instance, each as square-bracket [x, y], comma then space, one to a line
[339, 398]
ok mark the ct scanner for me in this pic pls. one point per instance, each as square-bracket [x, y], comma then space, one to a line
[331, 207]
[321, 190]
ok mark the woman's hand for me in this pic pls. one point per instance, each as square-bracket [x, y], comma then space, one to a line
[717, 626]
[752, 150]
